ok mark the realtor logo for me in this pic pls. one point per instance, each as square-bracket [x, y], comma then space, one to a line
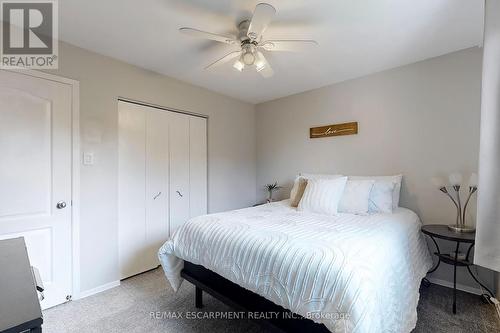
[29, 34]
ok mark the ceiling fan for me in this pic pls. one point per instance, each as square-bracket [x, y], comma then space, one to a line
[251, 42]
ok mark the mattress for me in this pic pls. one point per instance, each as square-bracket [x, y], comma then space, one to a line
[352, 273]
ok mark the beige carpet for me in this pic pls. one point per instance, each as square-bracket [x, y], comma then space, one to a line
[131, 307]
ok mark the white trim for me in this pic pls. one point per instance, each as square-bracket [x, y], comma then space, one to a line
[99, 289]
[75, 189]
[461, 287]
[75, 169]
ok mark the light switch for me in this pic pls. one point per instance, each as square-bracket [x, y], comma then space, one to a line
[88, 158]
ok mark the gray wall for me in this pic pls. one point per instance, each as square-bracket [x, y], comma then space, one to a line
[231, 147]
[419, 120]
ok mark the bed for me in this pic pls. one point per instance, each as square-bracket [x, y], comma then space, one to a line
[352, 273]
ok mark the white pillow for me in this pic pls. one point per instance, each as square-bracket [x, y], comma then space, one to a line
[390, 179]
[355, 199]
[381, 197]
[308, 176]
[322, 196]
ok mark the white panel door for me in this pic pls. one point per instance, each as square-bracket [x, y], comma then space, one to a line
[197, 166]
[157, 165]
[131, 189]
[35, 174]
[179, 170]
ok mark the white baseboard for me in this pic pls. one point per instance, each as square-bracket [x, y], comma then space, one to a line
[99, 289]
[461, 287]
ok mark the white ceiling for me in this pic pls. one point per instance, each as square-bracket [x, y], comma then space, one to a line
[356, 38]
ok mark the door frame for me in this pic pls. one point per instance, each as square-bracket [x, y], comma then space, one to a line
[75, 169]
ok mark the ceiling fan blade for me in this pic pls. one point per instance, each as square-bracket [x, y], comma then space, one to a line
[263, 66]
[208, 35]
[224, 59]
[293, 45]
[262, 15]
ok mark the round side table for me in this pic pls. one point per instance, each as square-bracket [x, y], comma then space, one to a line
[442, 232]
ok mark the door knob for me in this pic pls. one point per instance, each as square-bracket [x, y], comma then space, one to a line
[61, 205]
[179, 193]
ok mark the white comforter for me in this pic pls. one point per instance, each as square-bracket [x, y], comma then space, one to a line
[352, 273]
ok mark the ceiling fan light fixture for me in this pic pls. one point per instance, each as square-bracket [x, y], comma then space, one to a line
[251, 42]
[239, 65]
[248, 58]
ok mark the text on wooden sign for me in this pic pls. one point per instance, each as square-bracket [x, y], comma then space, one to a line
[333, 130]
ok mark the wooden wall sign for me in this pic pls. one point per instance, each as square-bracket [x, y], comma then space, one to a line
[333, 130]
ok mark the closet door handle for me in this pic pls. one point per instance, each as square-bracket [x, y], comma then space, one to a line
[156, 196]
[179, 193]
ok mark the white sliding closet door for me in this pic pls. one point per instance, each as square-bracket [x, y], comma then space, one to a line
[197, 166]
[162, 180]
[179, 170]
[157, 179]
[143, 186]
[132, 183]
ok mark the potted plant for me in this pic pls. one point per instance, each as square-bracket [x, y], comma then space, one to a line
[270, 189]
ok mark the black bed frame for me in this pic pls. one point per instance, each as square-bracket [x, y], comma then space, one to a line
[245, 301]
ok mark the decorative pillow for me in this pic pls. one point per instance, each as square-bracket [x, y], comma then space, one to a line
[297, 195]
[355, 199]
[388, 179]
[293, 192]
[381, 197]
[322, 196]
[295, 188]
